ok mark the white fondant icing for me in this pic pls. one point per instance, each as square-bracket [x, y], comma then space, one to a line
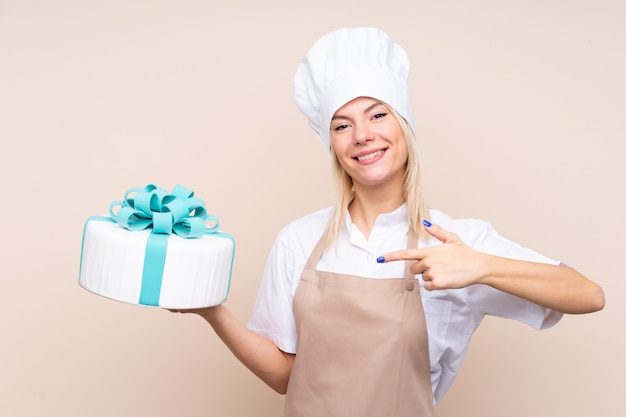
[196, 273]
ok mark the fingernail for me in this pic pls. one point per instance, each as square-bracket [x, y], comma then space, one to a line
[380, 259]
[426, 223]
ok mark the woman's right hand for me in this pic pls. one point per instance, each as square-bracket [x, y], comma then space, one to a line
[204, 312]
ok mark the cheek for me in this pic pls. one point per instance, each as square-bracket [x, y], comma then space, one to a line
[338, 146]
[404, 152]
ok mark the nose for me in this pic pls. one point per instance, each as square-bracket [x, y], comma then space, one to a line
[362, 134]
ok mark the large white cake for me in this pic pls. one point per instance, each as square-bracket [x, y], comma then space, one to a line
[145, 267]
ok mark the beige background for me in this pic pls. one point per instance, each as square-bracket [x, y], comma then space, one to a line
[520, 107]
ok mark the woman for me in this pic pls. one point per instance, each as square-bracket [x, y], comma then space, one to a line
[339, 324]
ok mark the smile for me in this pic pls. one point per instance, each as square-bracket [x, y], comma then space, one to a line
[368, 156]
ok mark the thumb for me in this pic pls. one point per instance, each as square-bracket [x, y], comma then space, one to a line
[440, 234]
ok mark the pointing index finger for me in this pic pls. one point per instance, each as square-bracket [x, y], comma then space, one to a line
[400, 255]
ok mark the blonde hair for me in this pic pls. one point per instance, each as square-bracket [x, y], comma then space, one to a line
[417, 211]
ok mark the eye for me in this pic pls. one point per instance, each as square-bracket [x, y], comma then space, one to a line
[379, 115]
[340, 127]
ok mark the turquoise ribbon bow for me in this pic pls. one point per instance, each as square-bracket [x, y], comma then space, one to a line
[179, 211]
[165, 212]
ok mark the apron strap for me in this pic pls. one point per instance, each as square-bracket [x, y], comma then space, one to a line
[318, 251]
[409, 278]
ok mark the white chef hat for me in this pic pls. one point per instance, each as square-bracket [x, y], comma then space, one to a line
[350, 63]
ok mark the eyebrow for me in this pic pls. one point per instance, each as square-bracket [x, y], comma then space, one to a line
[339, 116]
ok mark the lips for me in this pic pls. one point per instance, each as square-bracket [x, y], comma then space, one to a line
[369, 156]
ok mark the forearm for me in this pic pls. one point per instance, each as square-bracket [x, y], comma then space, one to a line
[555, 287]
[256, 352]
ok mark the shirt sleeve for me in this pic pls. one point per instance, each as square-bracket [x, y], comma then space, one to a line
[272, 315]
[488, 300]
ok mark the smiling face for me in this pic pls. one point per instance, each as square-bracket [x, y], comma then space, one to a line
[369, 143]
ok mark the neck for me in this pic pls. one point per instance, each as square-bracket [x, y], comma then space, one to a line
[368, 203]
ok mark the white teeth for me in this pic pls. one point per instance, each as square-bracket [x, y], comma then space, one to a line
[369, 156]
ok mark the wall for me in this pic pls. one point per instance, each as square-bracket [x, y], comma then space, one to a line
[520, 110]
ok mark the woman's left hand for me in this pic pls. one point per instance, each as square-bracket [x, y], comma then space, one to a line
[455, 265]
[449, 265]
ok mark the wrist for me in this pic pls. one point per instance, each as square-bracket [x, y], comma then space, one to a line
[210, 314]
[487, 269]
